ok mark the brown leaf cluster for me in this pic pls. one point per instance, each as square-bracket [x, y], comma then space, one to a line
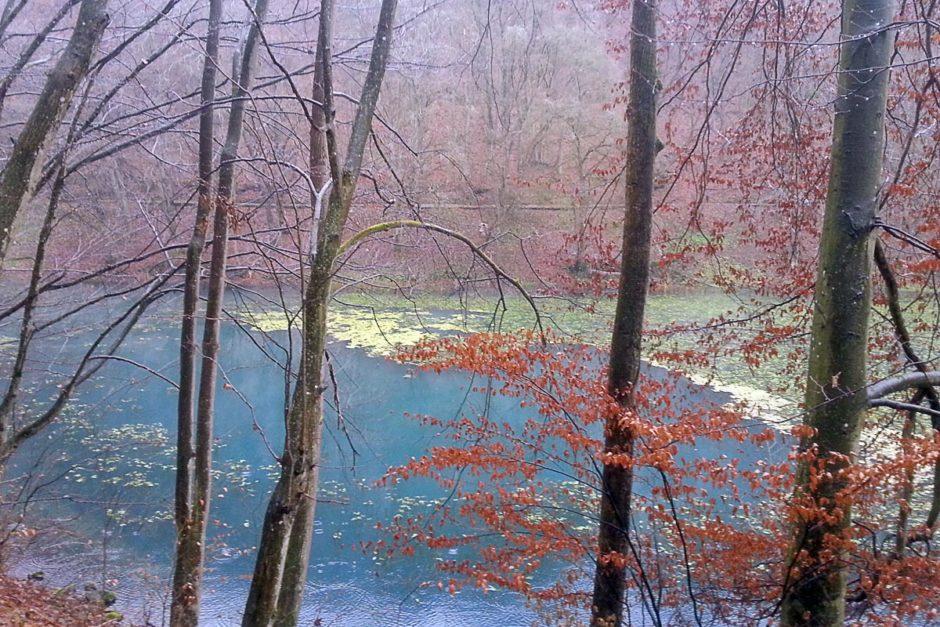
[25, 604]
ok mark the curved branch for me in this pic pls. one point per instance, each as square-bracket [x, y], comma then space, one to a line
[902, 382]
[897, 316]
[901, 406]
[428, 226]
[137, 364]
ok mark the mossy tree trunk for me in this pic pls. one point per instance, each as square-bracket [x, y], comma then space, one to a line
[607, 603]
[836, 401]
[281, 564]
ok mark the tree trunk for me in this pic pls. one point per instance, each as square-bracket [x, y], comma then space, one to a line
[270, 593]
[187, 573]
[193, 554]
[27, 54]
[11, 9]
[297, 558]
[281, 565]
[836, 385]
[617, 481]
[21, 173]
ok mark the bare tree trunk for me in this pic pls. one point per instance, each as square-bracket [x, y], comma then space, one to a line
[281, 564]
[836, 385]
[21, 173]
[187, 573]
[191, 546]
[297, 558]
[625, 350]
[30, 50]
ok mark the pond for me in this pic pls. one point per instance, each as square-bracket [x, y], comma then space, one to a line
[110, 472]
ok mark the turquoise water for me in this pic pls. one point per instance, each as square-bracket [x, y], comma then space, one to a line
[112, 501]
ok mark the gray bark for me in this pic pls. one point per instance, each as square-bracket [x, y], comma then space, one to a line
[187, 572]
[903, 382]
[191, 546]
[836, 398]
[11, 9]
[30, 50]
[281, 564]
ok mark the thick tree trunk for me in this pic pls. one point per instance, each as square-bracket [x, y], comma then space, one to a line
[617, 481]
[21, 173]
[30, 50]
[280, 570]
[184, 609]
[281, 565]
[836, 385]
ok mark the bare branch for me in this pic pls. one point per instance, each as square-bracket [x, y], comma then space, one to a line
[427, 226]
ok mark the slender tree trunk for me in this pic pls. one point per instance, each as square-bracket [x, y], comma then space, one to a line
[21, 173]
[835, 389]
[192, 555]
[11, 9]
[297, 557]
[929, 394]
[281, 565]
[625, 350]
[8, 405]
[269, 597]
[187, 572]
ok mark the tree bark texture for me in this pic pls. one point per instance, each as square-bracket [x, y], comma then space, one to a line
[224, 212]
[607, 604]
[21, 173]
[836, 400]
[281, 565]
[187, 573]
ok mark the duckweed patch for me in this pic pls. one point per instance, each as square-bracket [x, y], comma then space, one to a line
[7, 344]
[381, 325]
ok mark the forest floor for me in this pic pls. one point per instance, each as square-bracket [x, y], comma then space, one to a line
[29, 604]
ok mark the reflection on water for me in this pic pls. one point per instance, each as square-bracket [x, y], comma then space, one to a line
[111, 509]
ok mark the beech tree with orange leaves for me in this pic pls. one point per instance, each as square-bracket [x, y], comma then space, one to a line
[625, 348]
[837, 389]
[825, 535]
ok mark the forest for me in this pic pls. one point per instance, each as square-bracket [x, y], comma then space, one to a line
[469, 312]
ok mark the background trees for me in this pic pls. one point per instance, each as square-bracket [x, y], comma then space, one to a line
[495, 148]
[724, 205]
[56, 139]
[24, 167]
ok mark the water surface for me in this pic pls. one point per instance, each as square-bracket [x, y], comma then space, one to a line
[112, 506]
